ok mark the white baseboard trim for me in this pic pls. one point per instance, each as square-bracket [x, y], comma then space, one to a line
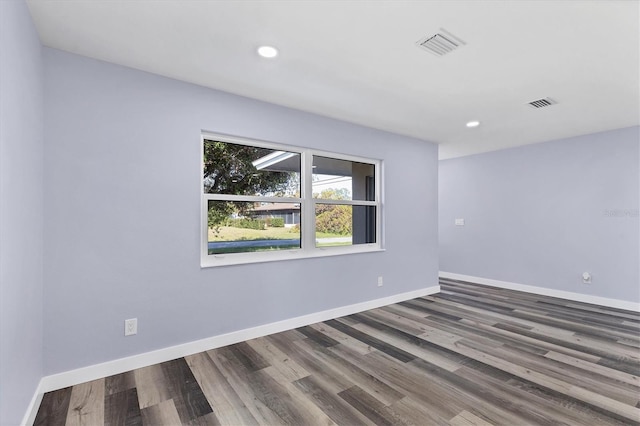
[577, 297]
[32, 409]
[93, 372]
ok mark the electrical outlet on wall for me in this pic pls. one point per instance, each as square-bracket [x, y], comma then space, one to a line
[131, 327]
[586, 278]
[380, 282]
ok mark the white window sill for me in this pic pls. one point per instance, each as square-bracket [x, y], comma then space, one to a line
[217, 260]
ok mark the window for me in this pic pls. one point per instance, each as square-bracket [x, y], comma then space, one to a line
[264, 202]
[345, 201]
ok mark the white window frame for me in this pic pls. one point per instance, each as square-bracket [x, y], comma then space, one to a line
[308, 247]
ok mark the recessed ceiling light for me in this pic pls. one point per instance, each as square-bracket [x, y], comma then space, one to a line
[473, 123]
[267, 51]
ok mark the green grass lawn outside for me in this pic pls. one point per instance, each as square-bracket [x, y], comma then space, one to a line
[228, 233]
[267, 248]
[251, 249]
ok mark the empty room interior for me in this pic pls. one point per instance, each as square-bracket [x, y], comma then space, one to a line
[319, 212]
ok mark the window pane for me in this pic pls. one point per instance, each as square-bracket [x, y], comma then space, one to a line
[249, 170]
[344, 225]
[335, 179]
[239, 227]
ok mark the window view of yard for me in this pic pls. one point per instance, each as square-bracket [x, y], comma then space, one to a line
[254, 203]
[275, 226]
[230, 239]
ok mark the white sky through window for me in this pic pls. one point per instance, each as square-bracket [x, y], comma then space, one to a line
[325, 182]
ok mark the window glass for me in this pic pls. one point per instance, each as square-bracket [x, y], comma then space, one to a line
[241, 227]
[337, 179]
[344, 225]
[249, 170]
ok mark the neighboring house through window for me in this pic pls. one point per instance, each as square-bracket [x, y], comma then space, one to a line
[288, 212]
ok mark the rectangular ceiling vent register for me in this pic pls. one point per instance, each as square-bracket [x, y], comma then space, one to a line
[441, 43]
[542, 103]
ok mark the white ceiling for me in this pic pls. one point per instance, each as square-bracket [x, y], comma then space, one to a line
[358, 60]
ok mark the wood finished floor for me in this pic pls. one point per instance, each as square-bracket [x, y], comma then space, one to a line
[470, 355]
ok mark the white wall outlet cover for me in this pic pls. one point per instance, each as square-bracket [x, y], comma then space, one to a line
[459, 222]
[131, 327]
[586, 277]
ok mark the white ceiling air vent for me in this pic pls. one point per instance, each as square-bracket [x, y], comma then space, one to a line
[441, 43]
[541, 103]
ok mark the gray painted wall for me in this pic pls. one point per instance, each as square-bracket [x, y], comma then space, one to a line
[542, 214]
[122, 200]
[21, 150]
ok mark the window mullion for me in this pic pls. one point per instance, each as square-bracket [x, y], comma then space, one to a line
[250, 198]
[308, 222]
[346, 202]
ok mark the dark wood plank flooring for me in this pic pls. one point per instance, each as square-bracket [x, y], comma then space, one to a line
[470, 355]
